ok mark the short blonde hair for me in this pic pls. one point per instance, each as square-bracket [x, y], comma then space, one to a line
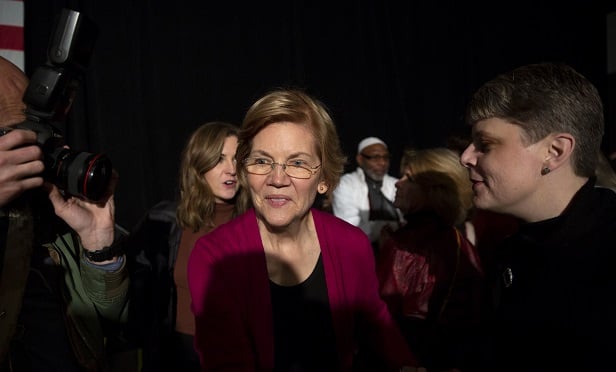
[443, 180]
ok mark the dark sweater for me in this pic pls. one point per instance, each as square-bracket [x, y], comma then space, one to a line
[555, 290]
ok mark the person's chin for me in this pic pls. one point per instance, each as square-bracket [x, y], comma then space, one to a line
[483, 203]
[228, 195]
[277, 222]
[376, 176]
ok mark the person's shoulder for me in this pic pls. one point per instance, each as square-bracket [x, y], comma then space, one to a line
[390, 178]
[349, 242]
[237, 225]
[605, 202]
[603, 223]
[336, 224]
[606, 193]
[595, 214]
[327, 218]
[153, 230]
[351, 178]
[235, 235]
[165, 210]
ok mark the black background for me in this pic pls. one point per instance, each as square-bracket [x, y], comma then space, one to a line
[400, 70]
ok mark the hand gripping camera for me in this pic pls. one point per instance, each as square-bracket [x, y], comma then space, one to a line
[48, 98]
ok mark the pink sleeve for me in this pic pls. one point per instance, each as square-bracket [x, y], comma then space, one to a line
[220, 339]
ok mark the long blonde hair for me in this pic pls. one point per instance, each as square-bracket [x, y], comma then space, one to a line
[202, 152]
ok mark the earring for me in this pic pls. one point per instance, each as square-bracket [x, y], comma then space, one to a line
[545, 171]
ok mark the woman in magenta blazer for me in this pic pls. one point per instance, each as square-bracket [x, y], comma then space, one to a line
[285, 286]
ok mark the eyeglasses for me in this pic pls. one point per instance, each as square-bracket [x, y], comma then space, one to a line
[293, 168]
[375, 157]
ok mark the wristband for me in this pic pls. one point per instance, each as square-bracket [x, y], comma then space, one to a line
[105, 254]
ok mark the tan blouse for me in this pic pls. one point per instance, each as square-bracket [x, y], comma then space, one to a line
[185, 321]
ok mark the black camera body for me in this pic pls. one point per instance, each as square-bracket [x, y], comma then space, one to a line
[48, 98]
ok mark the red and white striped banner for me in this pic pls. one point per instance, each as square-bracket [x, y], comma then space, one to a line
[12, 31]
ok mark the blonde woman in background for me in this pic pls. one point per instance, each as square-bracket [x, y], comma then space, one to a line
[430, 274]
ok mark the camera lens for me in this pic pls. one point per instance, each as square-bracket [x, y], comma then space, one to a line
[80, 174]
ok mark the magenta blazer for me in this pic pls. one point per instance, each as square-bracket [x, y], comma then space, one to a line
[229, 285]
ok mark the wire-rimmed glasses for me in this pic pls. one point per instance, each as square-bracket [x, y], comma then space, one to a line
[293, 168]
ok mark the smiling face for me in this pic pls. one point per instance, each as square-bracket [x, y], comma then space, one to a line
[222, 178]
[280, 200]
[503, 168]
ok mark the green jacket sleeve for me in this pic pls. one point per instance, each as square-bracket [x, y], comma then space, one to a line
[95, 297]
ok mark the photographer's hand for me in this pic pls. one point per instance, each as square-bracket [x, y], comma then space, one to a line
[93, 222]
[21, 164]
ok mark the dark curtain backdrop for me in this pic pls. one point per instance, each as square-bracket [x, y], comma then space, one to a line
[400, 70]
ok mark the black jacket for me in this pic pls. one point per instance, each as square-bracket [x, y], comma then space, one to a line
[152, 312]
[555, 291]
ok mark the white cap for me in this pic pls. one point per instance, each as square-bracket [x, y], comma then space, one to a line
[368, 141]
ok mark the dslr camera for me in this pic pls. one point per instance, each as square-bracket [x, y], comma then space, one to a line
[48, 98]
